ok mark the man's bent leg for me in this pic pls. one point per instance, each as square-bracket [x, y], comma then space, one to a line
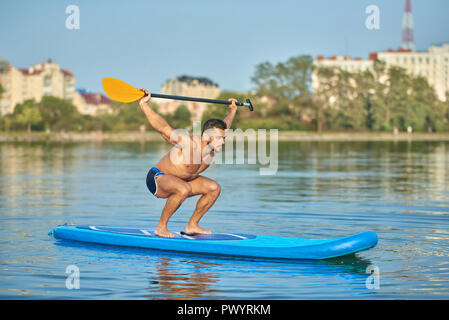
[172, 204]
[176, 191]
[210, 190]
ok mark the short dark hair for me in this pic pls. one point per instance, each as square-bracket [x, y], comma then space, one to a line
[214, 123]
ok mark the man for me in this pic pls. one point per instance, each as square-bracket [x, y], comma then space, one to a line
[177, 175]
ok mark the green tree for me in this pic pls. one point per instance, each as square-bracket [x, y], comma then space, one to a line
[397, 97]
[341, 99]
[130, 117]
[379, 113]
[351, 100]
[288, 84]
[219, 111]
[125, 117]
[29, 115]
[324, 97]
[429, 112]
[445, 107]
[2, 119]
[58, 113]
[26, 114]
[181, 118]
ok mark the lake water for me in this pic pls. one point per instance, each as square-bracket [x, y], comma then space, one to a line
[400, 190]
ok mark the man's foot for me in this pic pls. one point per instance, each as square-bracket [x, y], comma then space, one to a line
[191, 228]
[164, 233]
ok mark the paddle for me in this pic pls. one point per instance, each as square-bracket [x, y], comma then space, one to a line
[121, 91]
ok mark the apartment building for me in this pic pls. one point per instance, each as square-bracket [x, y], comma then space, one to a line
[90, 103]
[20, 84]
[432, 64]
[199, 87]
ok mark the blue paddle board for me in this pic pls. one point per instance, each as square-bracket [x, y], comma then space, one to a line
[228, 244]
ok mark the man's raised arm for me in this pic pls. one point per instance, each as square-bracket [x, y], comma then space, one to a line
[156, 121]
[232, 111]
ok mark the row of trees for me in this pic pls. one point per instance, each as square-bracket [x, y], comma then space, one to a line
[55, 114]
[51, 113]
[380, 99]
[129, 117]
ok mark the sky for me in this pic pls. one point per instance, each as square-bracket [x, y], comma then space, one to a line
[148, 42]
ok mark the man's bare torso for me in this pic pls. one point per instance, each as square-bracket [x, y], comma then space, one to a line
[179, 164]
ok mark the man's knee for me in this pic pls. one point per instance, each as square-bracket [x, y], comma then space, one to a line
[214, 188]
[185, 190]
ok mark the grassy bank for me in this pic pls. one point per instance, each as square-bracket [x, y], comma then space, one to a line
[357, 136]
[79, 137]
[153, 136]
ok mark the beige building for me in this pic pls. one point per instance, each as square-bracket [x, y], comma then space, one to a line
[46, 78]
[432, 65]
[92, 104]
[190, 87]
[345, 63]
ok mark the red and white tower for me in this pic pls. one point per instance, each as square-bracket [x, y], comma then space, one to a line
[407, 27]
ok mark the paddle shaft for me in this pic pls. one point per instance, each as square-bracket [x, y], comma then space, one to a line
[240, 104]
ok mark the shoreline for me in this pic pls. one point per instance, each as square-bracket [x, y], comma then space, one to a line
[154, 136]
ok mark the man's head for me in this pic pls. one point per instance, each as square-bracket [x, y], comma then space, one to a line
[214, 130]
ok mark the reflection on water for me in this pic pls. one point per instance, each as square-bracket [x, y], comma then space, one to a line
[173, 283]
[200, 281]
[322, 189]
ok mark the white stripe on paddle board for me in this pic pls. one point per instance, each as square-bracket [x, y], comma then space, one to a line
[236, 235]
[145, 232]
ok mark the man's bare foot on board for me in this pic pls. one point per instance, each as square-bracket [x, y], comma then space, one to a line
[192, 228]
[163, 232]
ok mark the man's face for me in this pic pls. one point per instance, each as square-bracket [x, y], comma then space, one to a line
[217, 138]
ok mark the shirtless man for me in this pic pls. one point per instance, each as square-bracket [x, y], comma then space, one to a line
[177, 175]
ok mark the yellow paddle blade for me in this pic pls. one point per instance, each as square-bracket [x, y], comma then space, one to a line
[121, 91]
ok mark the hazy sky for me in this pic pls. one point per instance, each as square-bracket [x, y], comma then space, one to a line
[147, 42]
